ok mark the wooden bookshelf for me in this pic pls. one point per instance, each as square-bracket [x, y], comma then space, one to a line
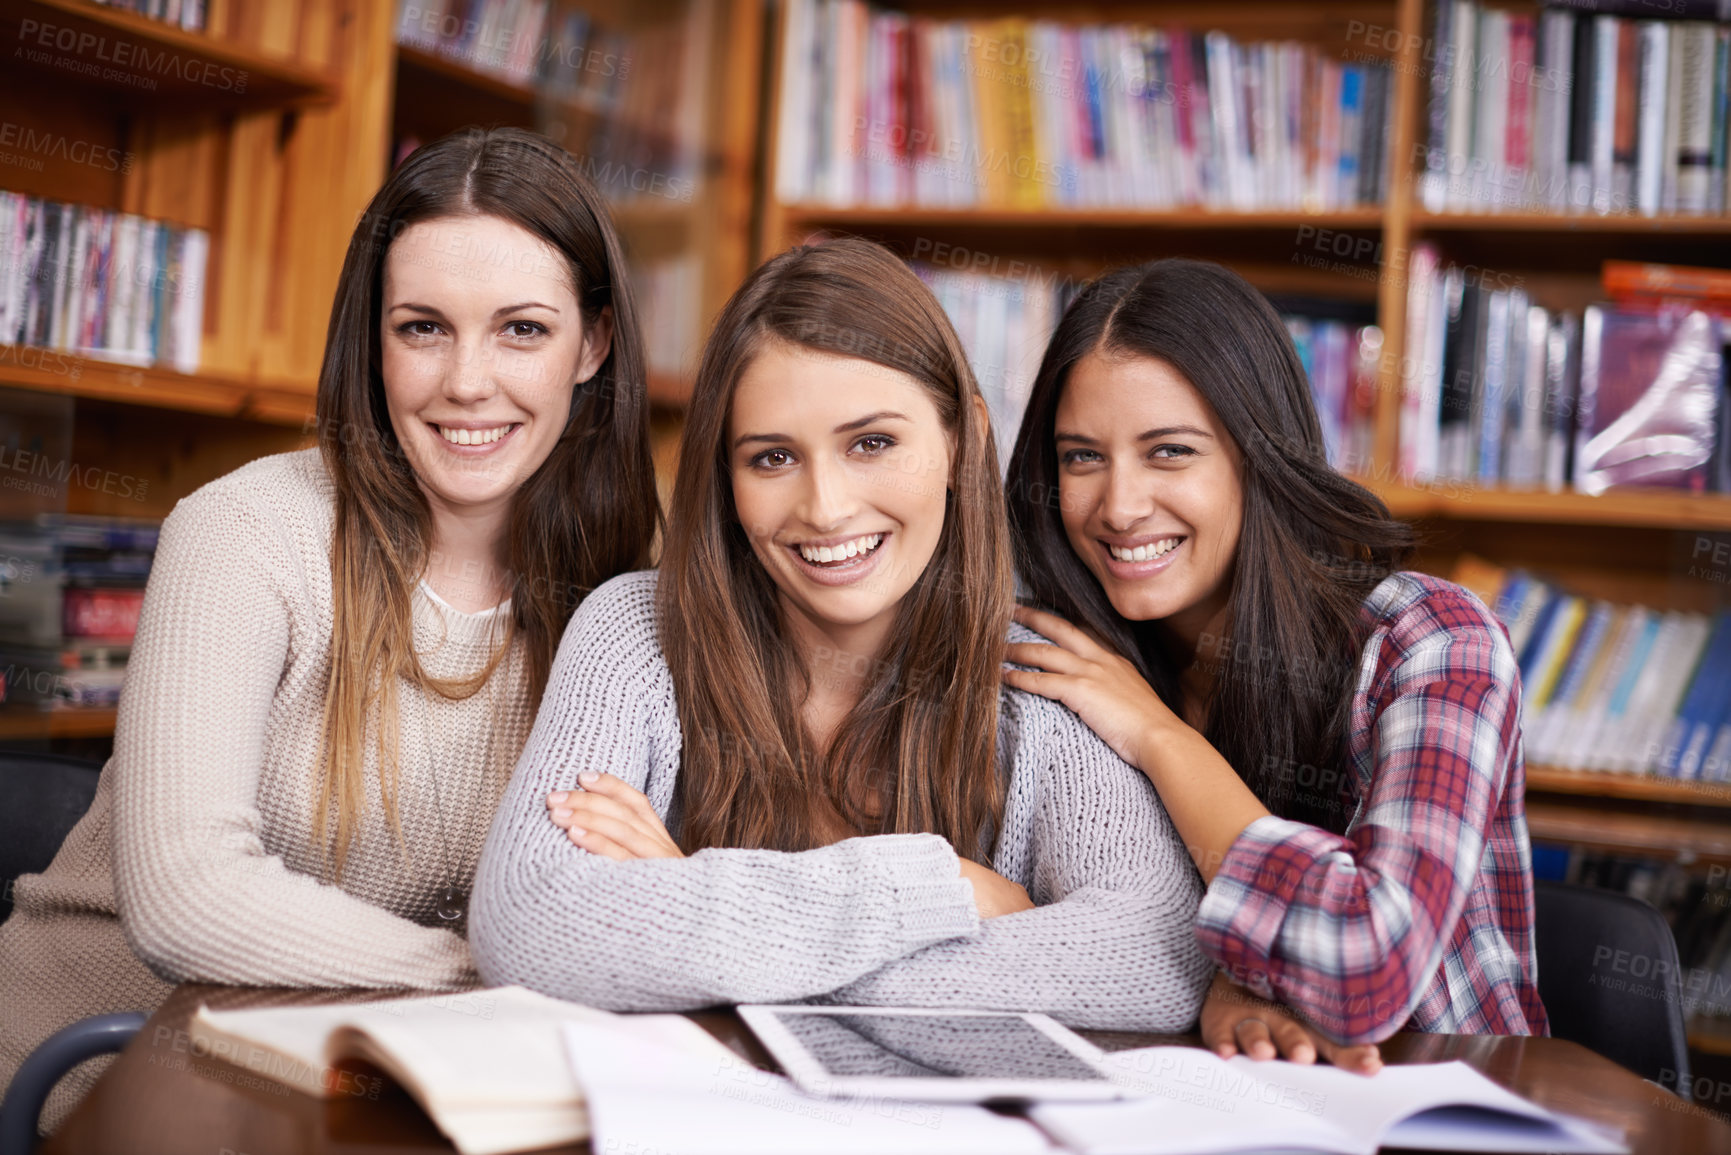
[52, 371]
[150, 60]
[808, 215]
[436, 93]
[1649, 508]
[1634, 787]
[1607, 823]
[1608, 225]
[19, 723]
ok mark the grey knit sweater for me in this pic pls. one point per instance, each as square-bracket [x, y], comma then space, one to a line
[876, 920]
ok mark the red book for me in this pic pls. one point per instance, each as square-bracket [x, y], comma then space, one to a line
[1518, 136]
[1628, 279]
[98, 613]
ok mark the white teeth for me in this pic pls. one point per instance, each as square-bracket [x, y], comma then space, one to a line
[1145, 552]
[473, 436]
[847, 549]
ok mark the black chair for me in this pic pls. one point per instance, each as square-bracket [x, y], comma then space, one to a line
[1610, 979]
[42, 797]
[48, 1064]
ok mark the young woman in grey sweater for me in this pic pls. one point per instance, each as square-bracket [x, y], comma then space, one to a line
[785, 769]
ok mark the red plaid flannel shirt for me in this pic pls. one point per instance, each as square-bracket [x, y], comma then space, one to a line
[1421, 915]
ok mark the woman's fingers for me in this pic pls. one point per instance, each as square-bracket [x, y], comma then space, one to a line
[1293, 1041]
[1041, 656]
[1056, 628]
[1034, 682]
[1362, 1058]
[1253, 1039]
[628, 836]
[581, 806]
[600, 844]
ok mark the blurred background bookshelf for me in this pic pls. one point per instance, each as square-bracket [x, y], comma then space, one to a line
[1325, 150]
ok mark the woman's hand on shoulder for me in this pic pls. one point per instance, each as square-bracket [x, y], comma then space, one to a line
[611, 818]
[1103, 688]
[1235, 1020]
[993, 893]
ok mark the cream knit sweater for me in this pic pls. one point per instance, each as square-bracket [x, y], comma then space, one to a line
[885, 919]
[198, 860]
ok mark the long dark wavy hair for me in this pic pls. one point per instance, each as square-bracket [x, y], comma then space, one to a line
[922, 738]
[588, 513]
[1312, 546]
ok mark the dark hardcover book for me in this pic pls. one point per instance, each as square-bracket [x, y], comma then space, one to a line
[1581, 111]
[1373, 157]
[1460, 361]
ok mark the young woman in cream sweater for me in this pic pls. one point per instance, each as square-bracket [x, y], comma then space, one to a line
[341, 649]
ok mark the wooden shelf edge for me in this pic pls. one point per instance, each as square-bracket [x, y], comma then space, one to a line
[1567, 223]
[1653, 835]
[243, 75]
[1641, 508]
[58, 371]
[17, 722]
[452, 69]
[1636, 787]
[815, 215]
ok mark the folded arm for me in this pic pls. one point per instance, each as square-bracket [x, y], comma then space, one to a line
[1111, 942]
[721, 926]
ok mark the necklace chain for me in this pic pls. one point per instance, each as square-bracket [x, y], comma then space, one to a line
[451, 902]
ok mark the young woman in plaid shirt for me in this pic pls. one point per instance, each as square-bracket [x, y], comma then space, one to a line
[1337, 740]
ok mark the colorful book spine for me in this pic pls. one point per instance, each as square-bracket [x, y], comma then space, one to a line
[1043, 114]
[1596, 106]
[105, 285]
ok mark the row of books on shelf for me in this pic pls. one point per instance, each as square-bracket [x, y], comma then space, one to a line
[108, 285]
[1620, 688]
[508, 39]
[1576, 109]
[1341, 350]
[1004, 323]
[70, 592]
[1499, 389]
[880, 108]
[628, 102]
[187, 14]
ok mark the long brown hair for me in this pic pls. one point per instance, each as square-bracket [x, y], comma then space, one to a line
[923, 734]
[1312, 546]
[588, 513]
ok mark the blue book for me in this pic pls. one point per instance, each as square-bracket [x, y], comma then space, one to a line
[1625, 687]
[1580, 659]
[1351, 101]
[1541, 631]
[1692, 730]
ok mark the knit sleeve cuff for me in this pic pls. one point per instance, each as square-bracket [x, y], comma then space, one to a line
[932, 900]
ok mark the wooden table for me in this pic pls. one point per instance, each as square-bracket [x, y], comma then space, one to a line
[159, 1098]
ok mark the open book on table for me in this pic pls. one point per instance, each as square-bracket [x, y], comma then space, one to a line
[1195, 1102]
[487, 1066]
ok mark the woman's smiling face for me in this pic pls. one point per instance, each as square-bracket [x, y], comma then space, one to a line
[840, 472]
[1151, 490]
[482, 343]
